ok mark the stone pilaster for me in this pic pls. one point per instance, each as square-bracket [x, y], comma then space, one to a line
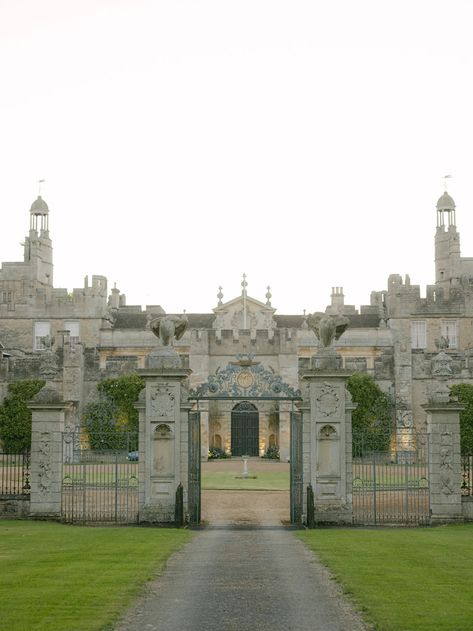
[443, 426]
[48, 411]
[163, 410]
[204, 428]
[284, 431]
[327, 445]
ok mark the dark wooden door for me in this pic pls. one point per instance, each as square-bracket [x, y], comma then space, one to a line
[245, 430]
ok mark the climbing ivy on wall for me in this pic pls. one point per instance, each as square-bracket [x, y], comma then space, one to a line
[15, 417]
[110, 420]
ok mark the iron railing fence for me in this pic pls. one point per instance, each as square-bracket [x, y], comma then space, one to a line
[391, 486]
[14, 473]
[100, 485]
[467, 474]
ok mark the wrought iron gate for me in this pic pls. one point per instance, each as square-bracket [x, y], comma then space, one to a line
[296, 468]
[391, 486]
[245, 430]
[194, 500]
[100, 484]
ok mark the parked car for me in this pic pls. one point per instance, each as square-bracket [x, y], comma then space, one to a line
[132, 455]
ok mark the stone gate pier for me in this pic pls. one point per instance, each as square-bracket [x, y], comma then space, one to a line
[163, 429]
[327, 431]
[48, 414]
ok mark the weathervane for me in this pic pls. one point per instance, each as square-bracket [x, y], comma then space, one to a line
[445, 178]
[39, 186]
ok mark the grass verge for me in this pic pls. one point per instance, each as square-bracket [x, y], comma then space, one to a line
[405, 579]
[72, 578]
[227, 480]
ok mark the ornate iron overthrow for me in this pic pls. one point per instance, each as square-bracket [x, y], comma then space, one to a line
[247, 379]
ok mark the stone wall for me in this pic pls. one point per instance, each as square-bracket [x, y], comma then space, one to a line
[15, 507]
[467, 508]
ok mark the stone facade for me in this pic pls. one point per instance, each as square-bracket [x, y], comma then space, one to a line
[73, 340]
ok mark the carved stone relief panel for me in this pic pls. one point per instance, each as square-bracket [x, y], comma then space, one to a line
[162, 402]
[327, 401]
[44, 463]
[447, 483]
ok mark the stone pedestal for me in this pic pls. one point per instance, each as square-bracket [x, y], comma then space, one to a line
[443, 426]
[163, 417]
[48, 412]
[327, 443]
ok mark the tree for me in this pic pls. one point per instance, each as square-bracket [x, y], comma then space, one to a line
[15, 417]
[123, 392]
[464, 393]
[112, 422]
[373, 417]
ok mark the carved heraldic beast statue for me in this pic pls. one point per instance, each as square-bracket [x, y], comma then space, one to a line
[327, 327]
[168, 327]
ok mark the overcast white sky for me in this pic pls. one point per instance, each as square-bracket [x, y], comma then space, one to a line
[186, 142]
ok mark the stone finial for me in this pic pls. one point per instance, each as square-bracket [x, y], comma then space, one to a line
[268, 296]
[244, 284]
[220, 296]
[304, 324]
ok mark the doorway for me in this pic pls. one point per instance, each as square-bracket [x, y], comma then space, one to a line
[245, 430]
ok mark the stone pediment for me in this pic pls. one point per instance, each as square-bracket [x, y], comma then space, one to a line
[231, 315]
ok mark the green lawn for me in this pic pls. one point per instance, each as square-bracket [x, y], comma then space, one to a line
[406, 579]
[265, 481]
[71, 578]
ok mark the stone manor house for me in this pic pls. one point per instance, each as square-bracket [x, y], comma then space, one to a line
[74, 340]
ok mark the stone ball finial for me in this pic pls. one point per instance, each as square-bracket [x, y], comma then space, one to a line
[268, 296]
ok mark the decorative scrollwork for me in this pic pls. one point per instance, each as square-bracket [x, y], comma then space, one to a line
[245, 379]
